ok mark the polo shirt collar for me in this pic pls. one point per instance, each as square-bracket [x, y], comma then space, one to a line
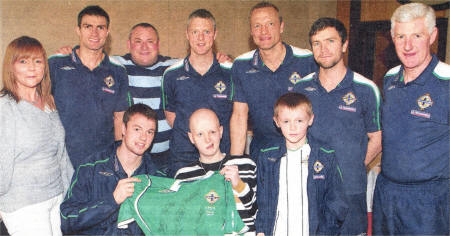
[118, 169]
[77, 60]
[423, 77]
[128, 58]
[188, 68]
[258, 63]
[345, 83]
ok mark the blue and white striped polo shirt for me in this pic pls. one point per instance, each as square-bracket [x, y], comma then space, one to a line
[145, 87]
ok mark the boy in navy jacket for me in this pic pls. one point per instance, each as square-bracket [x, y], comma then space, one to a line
[299, 183]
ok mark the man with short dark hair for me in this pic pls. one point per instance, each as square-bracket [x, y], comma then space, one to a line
[412, 191]
[105, 179]
[261, 76]
[90, 89]
[198, 81]
[347, 115]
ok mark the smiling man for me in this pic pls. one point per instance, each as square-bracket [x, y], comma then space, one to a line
[145, 67]
[261, 76]
[89, 88]
[103, 182]
[347, 115]
[198, 81]
[412, 192]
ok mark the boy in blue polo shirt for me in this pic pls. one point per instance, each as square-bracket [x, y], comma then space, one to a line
[299, 183]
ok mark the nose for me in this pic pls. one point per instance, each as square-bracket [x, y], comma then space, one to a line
[323, 48]
[32, 66]
[207, 138]
[143, 136]
[408, 44]
[264, 29]
[94, 30]
[292, 126]
[201, 36]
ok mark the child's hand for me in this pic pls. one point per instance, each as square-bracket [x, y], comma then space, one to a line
[231, 173]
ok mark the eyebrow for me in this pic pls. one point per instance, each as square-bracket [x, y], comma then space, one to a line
[87, 24]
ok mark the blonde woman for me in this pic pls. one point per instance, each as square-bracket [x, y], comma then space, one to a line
[35, 170]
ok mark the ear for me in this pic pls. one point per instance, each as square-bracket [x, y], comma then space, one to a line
[191, 138]
[187, 35]
[215, 34]
[311, 120]
[77, 30]
[345, 46]
[221, 131]
[124, 129]
[128, 45]
[276, 121]
[433, 35]
[282, 27]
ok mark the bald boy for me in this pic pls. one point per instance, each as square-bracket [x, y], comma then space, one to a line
[205, 133]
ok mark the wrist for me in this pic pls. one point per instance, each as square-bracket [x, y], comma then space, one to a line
[240, 186]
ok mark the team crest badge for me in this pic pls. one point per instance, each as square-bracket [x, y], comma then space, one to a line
[109, 81]
[295, 78]
[212, 197]
[349, 98]
[424, 101]
[317, 166]
[220, 86]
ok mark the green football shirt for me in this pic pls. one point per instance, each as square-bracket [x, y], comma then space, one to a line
[196, 206]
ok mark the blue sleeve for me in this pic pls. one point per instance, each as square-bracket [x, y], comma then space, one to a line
[123, 98]
[80, 210]
[336, 207]
[372, 113]
[52, 72]
[261, 198]
[238, 93]
[168, 92]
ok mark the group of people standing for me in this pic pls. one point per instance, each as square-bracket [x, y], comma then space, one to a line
[76, 130]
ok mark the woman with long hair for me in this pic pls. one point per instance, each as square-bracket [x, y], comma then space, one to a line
[35, 170]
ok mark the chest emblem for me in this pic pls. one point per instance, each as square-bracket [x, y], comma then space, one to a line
[424, 101]
[220, 86]
[212, 197]
[109, 81]
[317, 166]
[349, 98]
[295, 78]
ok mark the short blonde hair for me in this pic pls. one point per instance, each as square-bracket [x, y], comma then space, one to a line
[20, 48]
[412, 11]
